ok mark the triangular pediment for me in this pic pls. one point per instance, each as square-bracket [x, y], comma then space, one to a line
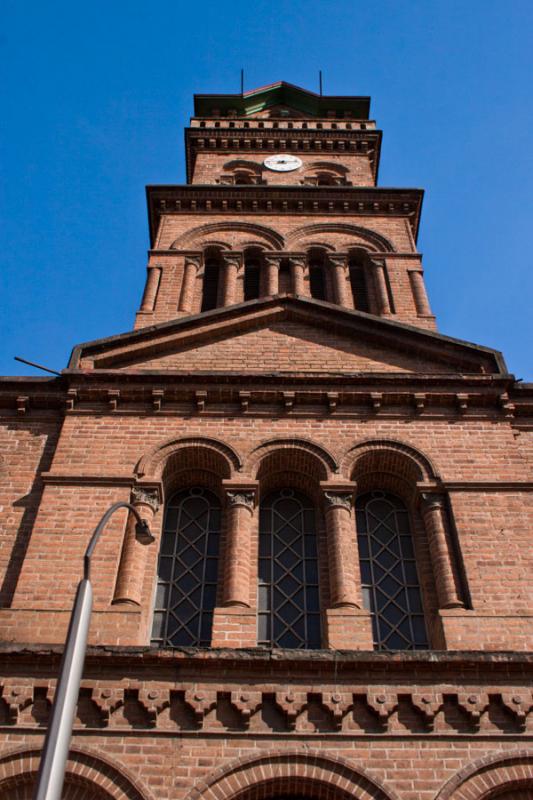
[286, 335]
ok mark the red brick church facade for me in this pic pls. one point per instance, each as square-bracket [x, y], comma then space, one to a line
[339, 599]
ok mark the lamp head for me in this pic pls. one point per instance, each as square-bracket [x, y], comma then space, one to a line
[143, 532]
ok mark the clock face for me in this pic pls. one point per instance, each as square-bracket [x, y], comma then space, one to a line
[282, 163]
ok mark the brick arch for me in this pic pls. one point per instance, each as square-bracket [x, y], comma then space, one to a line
[309, 774]
[374, 241]
[243, 163]
[292, 453]
[89, 776]
[207, 453]
[400, 465]
[340, 169]
[495, 776]
[194, 238]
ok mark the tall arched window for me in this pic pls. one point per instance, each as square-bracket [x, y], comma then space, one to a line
[288, 597]
[391, 590]
[358, 284]
[210, 286]
[317, 279]
[252, 279]
[187, 570]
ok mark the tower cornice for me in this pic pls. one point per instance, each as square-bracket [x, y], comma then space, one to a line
[295, 140]
[283, 200]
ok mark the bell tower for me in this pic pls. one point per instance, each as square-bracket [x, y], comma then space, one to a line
[282, 198]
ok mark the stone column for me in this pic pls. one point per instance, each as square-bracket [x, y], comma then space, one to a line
[134, 551]
[434, 515]
[343, 561]
[339, 267]
[240, 509]
[272, 283]
[153, 279]
[298, 275]
[382, 293]
[418, 288]
[188, 284]
[232, 262]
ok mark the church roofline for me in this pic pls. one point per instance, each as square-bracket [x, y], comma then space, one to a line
[418, 337]
[281, 93]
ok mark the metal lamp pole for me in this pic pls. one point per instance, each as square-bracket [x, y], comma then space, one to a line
[56, 744]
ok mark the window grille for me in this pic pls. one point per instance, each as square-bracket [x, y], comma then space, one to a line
[288, 594]
[317, 281]
[252, 277]
[359, 289]
[187, 570]
[391, 590]
[210, 287]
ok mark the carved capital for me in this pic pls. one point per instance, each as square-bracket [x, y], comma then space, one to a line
[232, 259]
[193, 262]
[272, 260]
[298, 261]
[145, 497]
[337, 259]
[431, 501]
[339, 500]
[241, 497]
[378, 263]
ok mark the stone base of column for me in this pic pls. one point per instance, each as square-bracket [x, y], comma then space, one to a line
[348, 629]
[234, 626]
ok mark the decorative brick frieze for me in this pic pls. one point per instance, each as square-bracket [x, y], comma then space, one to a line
[159, 706]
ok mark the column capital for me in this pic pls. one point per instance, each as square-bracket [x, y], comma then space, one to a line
[377, 262]
[146, 496]
[338, 259]
[429, 500]
[241, 494]
[273, 259]
[299, 259]
[339, 500]
[194, 259]
[232, 257]
[338, 494]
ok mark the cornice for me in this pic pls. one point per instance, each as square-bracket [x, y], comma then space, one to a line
[138, 393]
[325, 201]
[297, 140]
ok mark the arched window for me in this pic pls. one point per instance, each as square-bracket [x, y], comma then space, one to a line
[317, 279]
[391, 590]
[187, 570]
[252, 279]
[358, 284]
[210, 287]
[288, 598]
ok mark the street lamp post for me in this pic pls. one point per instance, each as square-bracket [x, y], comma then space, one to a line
[56, 744]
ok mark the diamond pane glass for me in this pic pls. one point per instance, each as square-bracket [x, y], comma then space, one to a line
[288, 573]
[188, 570]
[391, 590]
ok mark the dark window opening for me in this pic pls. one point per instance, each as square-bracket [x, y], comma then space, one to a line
[252, 278]
[359, 288]
[285, 283]
[389, 577]
[317, 281]
[288, 590]
[210, 287]
[187, 570]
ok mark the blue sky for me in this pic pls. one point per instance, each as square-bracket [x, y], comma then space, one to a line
[95, 97]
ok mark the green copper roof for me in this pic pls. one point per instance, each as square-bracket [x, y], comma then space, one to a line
[284, 94]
